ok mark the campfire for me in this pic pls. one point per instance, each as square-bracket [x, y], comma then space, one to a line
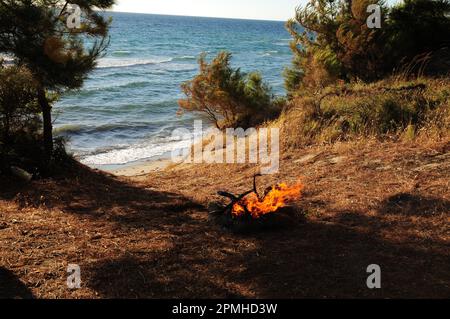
[254, 208]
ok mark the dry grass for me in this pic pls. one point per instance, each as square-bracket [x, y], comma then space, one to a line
[384, 203]
[386, 110]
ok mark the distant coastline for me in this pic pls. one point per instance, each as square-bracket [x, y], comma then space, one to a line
[189, 16]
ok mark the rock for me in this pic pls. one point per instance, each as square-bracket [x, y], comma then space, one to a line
[21, 174]
[306, 159]
[96, 237]
[384, 168]
[428, 167]
[337, 160]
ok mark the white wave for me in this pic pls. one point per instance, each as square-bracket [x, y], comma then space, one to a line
[125, 154]
[121, 63]
[134, 153]
[6, 59]
[187, 57]
[270, 53]
[180, 67]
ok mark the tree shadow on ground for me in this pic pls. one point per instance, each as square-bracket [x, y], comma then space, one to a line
[320, 258]
[11, 287]
[330, 261]
[308, 260]
[414, 205]
[99, 196]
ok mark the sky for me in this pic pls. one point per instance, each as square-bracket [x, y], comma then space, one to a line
[241, 9]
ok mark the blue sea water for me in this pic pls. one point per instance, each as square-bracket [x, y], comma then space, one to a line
[126, 111]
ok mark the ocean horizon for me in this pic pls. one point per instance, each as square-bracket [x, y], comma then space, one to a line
[126, 111]
[109, 12]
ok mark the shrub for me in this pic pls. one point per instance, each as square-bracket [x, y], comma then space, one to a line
[20, 123]
[332, 41]
[18, 105]
[21, 141]
[383, 109]
[417, 29]
[228, 97]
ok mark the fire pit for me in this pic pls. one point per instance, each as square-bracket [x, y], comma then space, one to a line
[252, 211]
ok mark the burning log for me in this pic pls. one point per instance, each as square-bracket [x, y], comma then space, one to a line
[251, 208]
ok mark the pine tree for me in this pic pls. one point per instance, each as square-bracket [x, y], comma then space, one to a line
[37, 35]
[333, 41]
[226, 96]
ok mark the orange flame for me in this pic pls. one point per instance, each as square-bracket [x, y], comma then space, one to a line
[277, 197]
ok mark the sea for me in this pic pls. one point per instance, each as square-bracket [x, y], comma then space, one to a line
[127, 109]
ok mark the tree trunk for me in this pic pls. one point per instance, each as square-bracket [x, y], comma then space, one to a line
[6, 130]
[349, 7]
[47, 120]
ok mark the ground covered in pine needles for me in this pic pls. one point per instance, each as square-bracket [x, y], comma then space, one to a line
[150, 236]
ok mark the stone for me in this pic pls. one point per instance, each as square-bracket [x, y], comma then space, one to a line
[21, 174]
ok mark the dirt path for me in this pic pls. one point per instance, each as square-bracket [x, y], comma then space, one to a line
[367, 203]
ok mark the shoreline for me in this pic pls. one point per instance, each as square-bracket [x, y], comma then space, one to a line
[149, 165]
[136, 169]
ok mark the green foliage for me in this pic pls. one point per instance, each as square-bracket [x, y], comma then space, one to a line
[420, 28]
[382, 109]
[35, 33]
[228, 97]
[19, 117]
[21, 126]
[19, 110]
[332, 42]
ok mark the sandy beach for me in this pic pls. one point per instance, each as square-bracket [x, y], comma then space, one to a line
[141, 168]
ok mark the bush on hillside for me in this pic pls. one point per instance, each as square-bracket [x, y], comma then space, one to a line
[385, 109]
[332, 42]
[19, 116]
[18, 105]
[418, 35]
[21, 125]
[228, 97]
